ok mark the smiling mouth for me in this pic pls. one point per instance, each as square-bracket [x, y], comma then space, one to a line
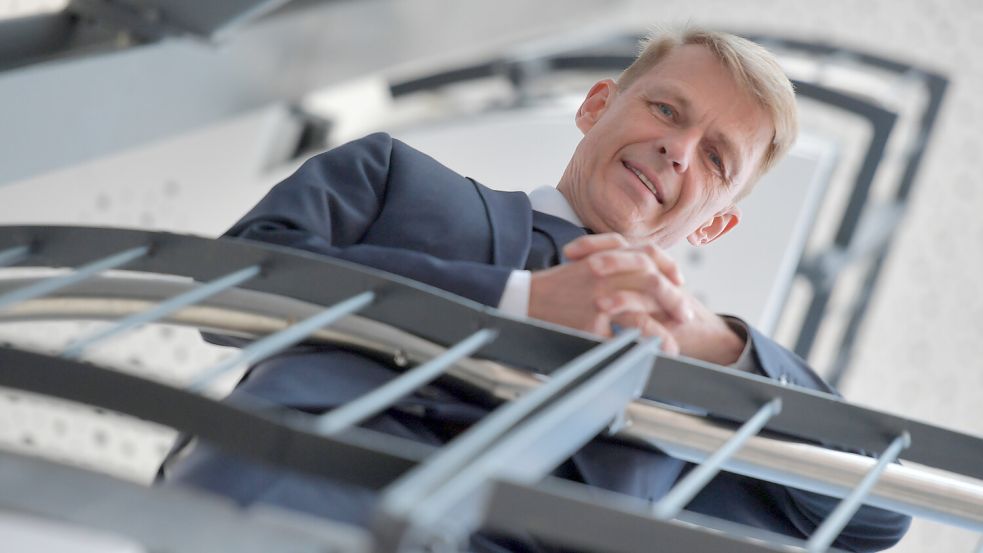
[648, 184]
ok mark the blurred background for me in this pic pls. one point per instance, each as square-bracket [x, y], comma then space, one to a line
[863, 251]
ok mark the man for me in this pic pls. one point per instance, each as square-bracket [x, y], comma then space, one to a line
[667, 152]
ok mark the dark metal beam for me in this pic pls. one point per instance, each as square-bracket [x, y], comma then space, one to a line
[809, 415]
[133, 96]
[249, 428]
[208, 524]
[430, 313]
[558, 514]
[154, 19]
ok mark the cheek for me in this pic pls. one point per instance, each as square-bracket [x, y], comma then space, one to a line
[703, 198]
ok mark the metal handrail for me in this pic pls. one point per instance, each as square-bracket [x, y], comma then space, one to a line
[944, 497]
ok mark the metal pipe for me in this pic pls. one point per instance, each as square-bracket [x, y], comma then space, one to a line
[14, 255]
[52, 284]
[823, 537]
[941, 496]
[531, 450]
[687, 488]
[382, 397]
[285, 338]
[401, 497]
[163, 309]
[937, 495]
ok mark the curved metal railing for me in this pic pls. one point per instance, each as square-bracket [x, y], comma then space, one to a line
[254, 291]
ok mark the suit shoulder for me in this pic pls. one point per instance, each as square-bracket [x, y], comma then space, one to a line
[385, 151]
[375, 145]
[366, 158]
[379, 143]
[404, 153]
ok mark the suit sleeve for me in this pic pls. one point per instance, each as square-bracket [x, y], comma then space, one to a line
[331, 202]
[871, 528]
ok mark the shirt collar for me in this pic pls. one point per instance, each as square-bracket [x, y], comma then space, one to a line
[551, 201]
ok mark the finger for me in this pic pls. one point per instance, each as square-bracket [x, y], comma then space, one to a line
[601, 325]
[666, 264]
[613, 262]
[627, 301]
[670, 298]
[649, 327]
[667, 299]
[593, 243]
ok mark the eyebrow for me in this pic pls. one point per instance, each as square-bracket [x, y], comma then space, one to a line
[674, 95]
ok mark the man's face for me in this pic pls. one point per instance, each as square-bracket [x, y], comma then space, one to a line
[667, 157]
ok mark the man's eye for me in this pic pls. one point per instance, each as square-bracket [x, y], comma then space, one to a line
[716, 161]
[666, 109]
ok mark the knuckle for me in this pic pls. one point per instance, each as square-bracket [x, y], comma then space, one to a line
[655, 329]
[632, 318]
[599, 325]
[656, 282]
[671, 264]
[620, 301]
[597, 264]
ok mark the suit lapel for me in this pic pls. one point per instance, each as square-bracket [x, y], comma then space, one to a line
[510, 221]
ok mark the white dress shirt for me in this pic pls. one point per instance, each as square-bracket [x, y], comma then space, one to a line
[548, 200]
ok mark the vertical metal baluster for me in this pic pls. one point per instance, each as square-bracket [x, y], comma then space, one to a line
[162, 309]
[403, 495]
[514, 456]
[384, 396]
[285, 338]
[80, 274]
[687, 488]
[14, 255]
[834, 523]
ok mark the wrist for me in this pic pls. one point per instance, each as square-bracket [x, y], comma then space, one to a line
[719, 343]
[731, 345]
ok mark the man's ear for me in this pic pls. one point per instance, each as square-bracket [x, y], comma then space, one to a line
[596, 102]
[719, 225]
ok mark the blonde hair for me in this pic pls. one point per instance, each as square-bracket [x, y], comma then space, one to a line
[753, 67]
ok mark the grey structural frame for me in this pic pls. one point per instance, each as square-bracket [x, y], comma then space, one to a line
[823, 269]
[37, 488]
[591, 387]
[86, 27]
[105, 47]
[155, 19]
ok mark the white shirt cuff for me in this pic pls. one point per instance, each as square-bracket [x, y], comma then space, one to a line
[515, 298]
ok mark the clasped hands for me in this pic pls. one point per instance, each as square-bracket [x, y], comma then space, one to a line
[609, 281]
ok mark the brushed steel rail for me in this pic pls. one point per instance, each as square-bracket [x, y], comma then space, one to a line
[941, 496]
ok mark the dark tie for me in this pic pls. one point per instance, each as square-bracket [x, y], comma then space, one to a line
[549, 235]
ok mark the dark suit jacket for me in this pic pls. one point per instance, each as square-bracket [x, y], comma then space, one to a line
[380, 203]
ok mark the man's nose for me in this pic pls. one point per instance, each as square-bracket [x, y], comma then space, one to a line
[679, 147]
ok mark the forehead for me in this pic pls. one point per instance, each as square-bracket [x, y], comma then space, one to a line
[698, 83]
